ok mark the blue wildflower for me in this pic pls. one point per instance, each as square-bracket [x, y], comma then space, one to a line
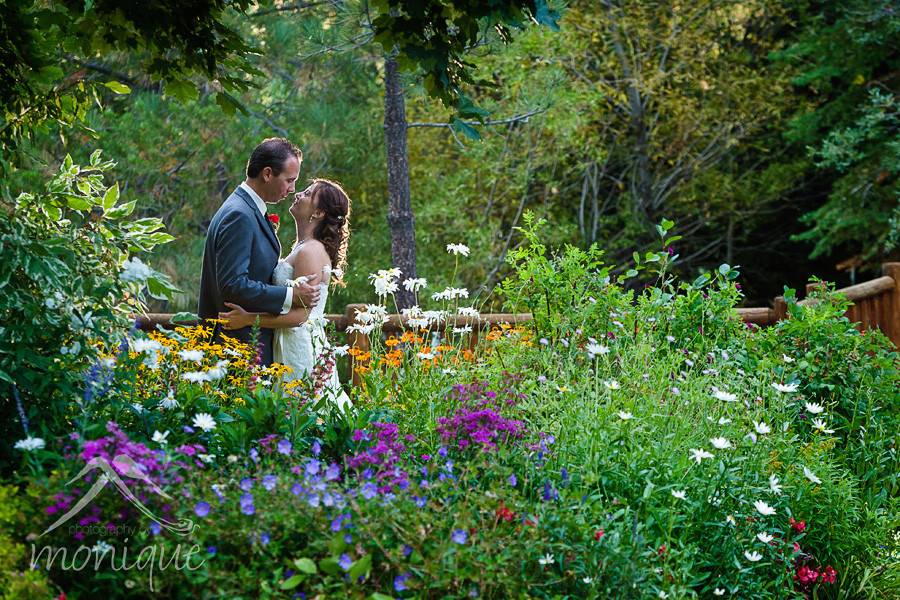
[313, 500]
[345, 561]
[187, 429]
[459, 536]
[442, 451]
[285, 447]
[211, 550]
[297, 489]
[407, 550]
[254, 454]
[512, 480]
[269, 482]
[400, 582]
[333, 472]
[155, 528]
[246, 484]
[316, 448]
[369, 490]
[312, 466]
[201, 509]
[264, 538]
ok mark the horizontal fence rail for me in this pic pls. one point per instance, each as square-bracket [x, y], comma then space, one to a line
[876, 305]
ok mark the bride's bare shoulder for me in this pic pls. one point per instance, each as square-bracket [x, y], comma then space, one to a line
[310, 257]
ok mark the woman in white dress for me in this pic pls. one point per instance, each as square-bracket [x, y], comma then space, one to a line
[321, 214]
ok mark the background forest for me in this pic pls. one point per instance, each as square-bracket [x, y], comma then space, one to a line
[767, 130]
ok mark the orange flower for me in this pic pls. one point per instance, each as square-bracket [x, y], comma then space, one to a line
[391, 342]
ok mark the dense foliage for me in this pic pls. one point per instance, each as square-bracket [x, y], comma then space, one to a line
[630, 444]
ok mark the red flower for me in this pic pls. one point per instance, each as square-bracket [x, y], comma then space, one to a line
[273, 218]
[598, 534]
[504, 513]
[798, 526]
[661, 551]
[806, 576]
[829, 575]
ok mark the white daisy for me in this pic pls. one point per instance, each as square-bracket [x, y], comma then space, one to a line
[594, 349]
[752, 556]
[169, 401]
[730, 520]
[787, 358]
[587, 580]
[679, 494]
[467, 311]
[819, 425]
[764, 537]
[814, 408]
[763, 508]
[720, 443]
[191, 355]
[787, 389]
[195, 376]
[160, 438]
[414, 284]
[811, 476]
[30, 444]
[612, 384]
[699, 454]
[774, 486]
[547, 559]
[718, 592]
[723, 395]
[761, 428]
[458, 249]
[724, 421]
[204, 421]
[625, 415]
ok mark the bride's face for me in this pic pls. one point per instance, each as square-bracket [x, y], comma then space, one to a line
[304, 205]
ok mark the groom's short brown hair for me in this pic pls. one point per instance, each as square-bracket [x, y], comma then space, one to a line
[272, 153]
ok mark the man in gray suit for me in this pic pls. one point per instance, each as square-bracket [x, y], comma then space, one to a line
[242, 249]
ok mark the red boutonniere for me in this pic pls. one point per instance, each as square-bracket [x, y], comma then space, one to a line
[273, 220]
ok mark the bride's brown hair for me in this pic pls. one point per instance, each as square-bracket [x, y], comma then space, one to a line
[334, 228]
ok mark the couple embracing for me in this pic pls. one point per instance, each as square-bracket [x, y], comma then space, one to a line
[244, 277]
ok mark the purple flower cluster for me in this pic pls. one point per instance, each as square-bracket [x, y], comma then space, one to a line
[479, 420]
[380, 460]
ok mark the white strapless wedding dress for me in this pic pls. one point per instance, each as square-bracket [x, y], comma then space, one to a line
[301, 348]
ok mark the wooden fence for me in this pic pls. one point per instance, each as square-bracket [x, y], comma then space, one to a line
[876, 304]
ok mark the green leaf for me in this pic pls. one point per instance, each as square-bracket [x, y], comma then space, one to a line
[182, 90]
[464, 128]
[186, 317]
[330, 566]
[122, 210]
[306, 565]
[361, 567]
[119, 88]
[160, 287]
[229, 104]
[379, 596]
[700, 281]
[111, 197]
[292, 582]
[724, 268]
[78, 203]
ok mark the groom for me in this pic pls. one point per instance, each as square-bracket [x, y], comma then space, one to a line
[242, 249]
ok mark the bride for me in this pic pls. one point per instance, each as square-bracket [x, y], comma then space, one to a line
[321, 215]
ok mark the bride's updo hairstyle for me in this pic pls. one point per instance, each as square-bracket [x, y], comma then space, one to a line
[334, 228]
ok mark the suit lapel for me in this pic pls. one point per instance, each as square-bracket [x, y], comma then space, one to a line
[268, 231]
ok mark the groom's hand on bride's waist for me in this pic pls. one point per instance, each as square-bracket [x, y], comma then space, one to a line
[306, 295]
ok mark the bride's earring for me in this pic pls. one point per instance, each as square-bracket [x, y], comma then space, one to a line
[310, 218]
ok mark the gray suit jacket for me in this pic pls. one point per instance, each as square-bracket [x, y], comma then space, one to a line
[240, 254]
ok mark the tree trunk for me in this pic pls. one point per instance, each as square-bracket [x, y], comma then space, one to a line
[400, 215]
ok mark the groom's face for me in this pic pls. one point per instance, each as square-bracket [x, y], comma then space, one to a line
[277, 187]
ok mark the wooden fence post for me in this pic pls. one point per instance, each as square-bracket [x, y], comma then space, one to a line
[355, 339]
[779, 309]
[891, 306]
